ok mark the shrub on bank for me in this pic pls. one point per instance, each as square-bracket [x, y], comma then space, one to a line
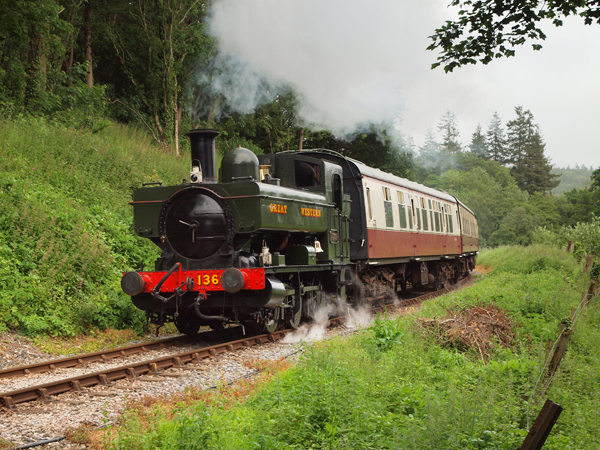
[66, 226]
[394, 386]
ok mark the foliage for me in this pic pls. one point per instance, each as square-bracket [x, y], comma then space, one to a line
[65, 225]
[490, 29]
[385, 333]
[343, 394]
[487, 197]
[586, 234]
[449, 129]
[496, 140]
[272, 127]
[531, 168]
[157, 45]
[95, 341]
[478, 146]
[572, 178]
[506, 181]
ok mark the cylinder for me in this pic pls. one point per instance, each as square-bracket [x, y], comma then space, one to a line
[270, 297]
[203, 153]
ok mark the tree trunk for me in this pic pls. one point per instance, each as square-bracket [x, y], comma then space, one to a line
[87, 18]
[159, 128]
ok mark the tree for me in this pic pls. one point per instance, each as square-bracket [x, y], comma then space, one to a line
[88, 42]
[531, 169]
[449, 129]
[31, 53]
[595, 179]
[272, 126]
[478, 145]
[521, 131]
[488, 29]
[156, 43]
[496, 140]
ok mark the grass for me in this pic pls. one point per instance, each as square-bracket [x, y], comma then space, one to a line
[394, 386]
[97, 340]
[66, 226]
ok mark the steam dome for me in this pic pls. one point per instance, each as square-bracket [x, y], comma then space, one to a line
[239, 164]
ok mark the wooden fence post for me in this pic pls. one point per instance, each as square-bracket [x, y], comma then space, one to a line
[542, 426]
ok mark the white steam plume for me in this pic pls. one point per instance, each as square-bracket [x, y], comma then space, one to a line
[346, 59]
[315, 332]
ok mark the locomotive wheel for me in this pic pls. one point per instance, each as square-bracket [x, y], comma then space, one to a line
[187, 324]
[269, 326]
[293, 315]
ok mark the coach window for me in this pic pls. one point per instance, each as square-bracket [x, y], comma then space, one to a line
[387, 204]
[450, 224]
[418, 215]
[442, 210]
[425, 224]
[443, 217]
[411, 214]
[437, 216]
[401, 210]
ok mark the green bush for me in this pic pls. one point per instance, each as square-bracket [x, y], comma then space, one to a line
[369, 392]
[66, 226]
[586, 234]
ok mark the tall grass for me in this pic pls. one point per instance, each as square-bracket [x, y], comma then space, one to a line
[413, 393]
[66, 226]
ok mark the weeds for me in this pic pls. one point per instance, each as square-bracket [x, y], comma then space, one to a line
[65, 225]
[385, 333]
[392, 387]
[96, 340]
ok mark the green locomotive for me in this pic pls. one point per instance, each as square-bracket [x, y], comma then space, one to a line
[277, 238]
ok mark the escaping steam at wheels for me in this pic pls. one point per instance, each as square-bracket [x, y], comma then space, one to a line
[281, 235]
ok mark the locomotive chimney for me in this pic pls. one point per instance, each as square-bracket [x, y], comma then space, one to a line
[203, 155]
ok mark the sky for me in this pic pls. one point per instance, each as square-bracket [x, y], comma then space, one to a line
[354, 63]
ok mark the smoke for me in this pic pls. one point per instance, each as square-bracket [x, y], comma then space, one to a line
[347, 60]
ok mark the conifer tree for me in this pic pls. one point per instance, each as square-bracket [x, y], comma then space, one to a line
[430, 148]
[496, 140]
[478, 144]
[531, 169]
[520, 133]
[449, 129]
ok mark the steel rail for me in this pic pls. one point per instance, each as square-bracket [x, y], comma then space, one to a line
[43, 392]
[104, 355]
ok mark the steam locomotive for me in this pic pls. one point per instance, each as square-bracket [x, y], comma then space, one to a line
[280, 235]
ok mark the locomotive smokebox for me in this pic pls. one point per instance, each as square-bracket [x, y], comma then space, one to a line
[203, 154]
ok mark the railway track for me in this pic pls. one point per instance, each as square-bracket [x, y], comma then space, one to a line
[46, 392]
[101, 356]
